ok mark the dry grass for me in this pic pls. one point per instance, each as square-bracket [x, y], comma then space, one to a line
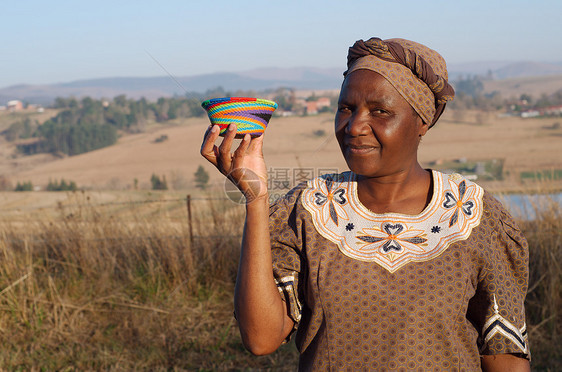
[82, 289]
[87, 291]
[544, 299]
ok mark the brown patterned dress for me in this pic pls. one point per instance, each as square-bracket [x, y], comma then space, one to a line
[397, 292]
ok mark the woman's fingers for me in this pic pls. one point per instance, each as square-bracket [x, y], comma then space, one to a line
[219, 156]
[240, 166]
[256, 145]
[242, 147]
[208, 148]
[224, 155]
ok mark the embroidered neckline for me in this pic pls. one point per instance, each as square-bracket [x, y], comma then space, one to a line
[364, 211]
[393, 240]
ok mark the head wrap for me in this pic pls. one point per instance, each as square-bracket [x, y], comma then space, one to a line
[417, 72]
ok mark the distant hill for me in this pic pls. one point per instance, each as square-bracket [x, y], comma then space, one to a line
[301, 78]
[504, 70]
[165, 86]
[528, 69]
[532, 85]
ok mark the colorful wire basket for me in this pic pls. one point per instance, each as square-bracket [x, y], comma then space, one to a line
[251, 115]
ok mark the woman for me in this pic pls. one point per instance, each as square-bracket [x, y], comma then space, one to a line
[389, 266]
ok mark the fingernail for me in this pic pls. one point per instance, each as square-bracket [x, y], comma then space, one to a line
[231, 127]
[214, 129]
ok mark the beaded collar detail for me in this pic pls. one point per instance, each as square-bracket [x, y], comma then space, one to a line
[393, 240]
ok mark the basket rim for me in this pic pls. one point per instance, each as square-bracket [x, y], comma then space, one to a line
[227, 100]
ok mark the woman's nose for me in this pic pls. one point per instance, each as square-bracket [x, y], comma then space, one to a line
[357, 125]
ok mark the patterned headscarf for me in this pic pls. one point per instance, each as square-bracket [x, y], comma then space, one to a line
[416, 71]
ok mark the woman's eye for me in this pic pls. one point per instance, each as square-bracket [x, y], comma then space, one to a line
[344, 109]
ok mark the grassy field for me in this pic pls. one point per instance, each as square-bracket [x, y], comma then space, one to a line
[110, 281]
[521, 145]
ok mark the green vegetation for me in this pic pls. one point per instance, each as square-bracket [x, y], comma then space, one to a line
[61, 186]
[88, 124]
[319, 133]
[24, 186]
[201, 178]
[285, 99]
[487, 170]
[162, 138]
[469, 94]
[21, 129]
[62, 137]
[551, 174]
[158, 183]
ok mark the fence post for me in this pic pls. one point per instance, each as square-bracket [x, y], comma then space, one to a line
[189, 219]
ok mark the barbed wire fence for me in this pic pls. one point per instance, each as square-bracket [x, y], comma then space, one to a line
[188, 201]
[189, 216]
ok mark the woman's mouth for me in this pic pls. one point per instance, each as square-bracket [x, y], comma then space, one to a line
[359, 150]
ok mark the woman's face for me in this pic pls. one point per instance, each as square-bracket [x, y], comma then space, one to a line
[377, 129]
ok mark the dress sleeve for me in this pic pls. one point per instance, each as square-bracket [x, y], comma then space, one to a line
[286, 256]
[497, 308]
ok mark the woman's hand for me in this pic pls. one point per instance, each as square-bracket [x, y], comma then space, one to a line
[262, 315]
[245, 167]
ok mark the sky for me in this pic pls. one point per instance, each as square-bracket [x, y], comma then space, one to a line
[54, 41]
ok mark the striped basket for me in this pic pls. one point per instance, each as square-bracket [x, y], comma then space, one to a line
[250, 115]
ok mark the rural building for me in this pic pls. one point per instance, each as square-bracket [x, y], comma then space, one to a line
[530, 114]
[313, 107]
[552, 111]
[14, 105]
[545, 111]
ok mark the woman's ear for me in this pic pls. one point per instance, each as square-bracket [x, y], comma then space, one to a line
[422, 126]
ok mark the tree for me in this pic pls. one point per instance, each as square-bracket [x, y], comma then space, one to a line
[24, 186]
[120, 100]
[63, 185]
[285, 99]
[201, 178]
[471, 86]
[20, 129]
[526, 99]
[158, 183]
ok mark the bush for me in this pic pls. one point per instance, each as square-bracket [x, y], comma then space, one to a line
[544, 299]
[162, 138]
[25, 186]
[158, 183]
[319, 133]
[20, 129]
[61, 186]
[201, 178]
